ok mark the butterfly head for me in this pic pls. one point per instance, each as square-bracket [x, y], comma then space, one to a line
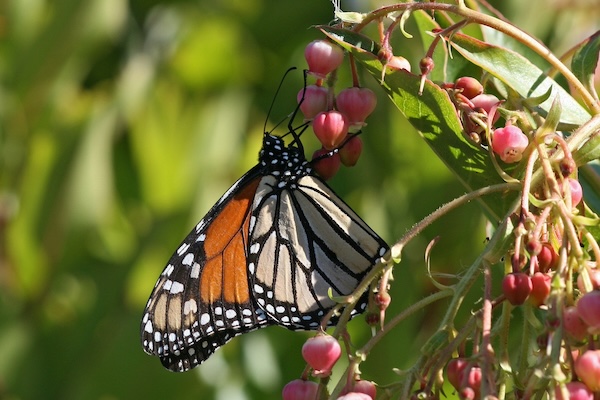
[276, 156]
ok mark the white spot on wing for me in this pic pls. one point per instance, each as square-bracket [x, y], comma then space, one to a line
[168, 270]
[188, 259]
[183, 248]
[177, 287]
[195, 273]
[190, 306]
[204, 319]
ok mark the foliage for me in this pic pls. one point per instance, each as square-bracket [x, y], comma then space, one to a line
[122, 122]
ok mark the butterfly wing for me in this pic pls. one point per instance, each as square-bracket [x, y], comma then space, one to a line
[305, 240]
[202, 299]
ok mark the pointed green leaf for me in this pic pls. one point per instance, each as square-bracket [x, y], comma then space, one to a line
[585, 60]
[589, 177]
[551, 122]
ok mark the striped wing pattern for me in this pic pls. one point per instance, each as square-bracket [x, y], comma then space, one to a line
[316, 241]
[267, 253]
[202, 300]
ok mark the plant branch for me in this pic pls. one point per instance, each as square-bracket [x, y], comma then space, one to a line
[499, 25]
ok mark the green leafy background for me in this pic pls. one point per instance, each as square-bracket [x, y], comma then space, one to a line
[122, 122]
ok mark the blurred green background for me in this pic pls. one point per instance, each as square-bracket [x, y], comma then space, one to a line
[122, 122]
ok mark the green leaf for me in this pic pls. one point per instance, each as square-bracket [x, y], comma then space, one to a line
[435, 117]
[497, 38]
[550, 124]
[589, 151]
[520, 75]
[585, 60]
[589, 177]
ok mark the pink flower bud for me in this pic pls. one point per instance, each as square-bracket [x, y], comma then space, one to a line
[355, 396]
[509, 143]
[366, 387]
[547, 258]
[327, 166]
[300, 390]
[587, 367]
[474, 379]
[315, 100]
[455, 371]
[470, 87]
[331, 128]
[350, 152]
[487, 102]
[426, 65]
[576, 390]
[516, 287]
[323, 57]
[589, 311]
[321, 352]
[397, 63]
[540, 289]
[473, 384]
[356, 104]
[573, 324]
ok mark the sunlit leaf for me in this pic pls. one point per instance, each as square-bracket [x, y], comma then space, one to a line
[585, 60]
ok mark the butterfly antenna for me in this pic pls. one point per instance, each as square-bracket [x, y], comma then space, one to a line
[275, 98]
[302, 127]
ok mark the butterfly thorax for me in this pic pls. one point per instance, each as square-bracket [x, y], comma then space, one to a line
[286, 162]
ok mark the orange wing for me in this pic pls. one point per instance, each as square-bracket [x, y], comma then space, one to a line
[202, 298]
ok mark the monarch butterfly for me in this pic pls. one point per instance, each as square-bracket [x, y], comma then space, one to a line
[266, 253]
